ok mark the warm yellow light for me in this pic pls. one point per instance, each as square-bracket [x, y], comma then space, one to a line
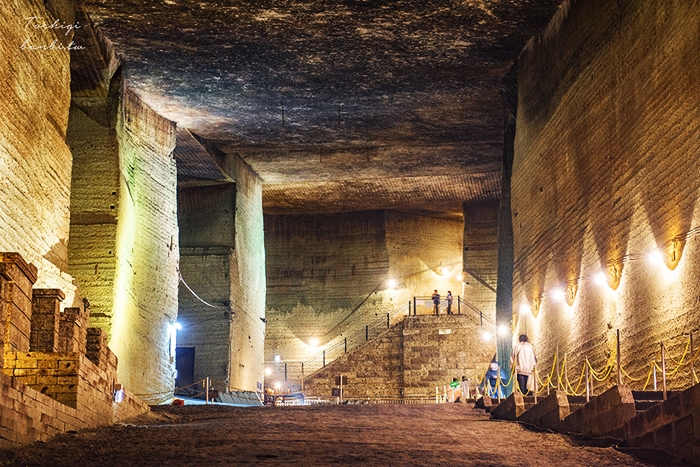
[460, 277]
[268, 371]
[656, 258]
[525, 308]
[391, 283]
[600, 279]
[503, 330]
[278, 386]
[313, 342]
[558, 295]
[486, 336]
[445, 271]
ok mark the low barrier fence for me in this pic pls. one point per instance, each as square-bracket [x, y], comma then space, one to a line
[660, 371]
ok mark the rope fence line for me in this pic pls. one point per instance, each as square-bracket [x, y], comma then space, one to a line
[589, 374]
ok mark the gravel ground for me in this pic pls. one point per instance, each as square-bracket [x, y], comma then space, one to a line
[368, 435]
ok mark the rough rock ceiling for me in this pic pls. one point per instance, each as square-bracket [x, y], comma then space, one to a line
[338, 105]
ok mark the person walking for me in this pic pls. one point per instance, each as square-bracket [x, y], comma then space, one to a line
[436, 303]
[449, 302]
[523, 359]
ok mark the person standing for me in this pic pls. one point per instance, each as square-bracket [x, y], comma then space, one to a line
[523, 359]
[449, 302]
[436, 303]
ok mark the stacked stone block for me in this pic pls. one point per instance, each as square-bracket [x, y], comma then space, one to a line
[17, 277]
[46, 314]
[97, 350]
[72, 334]
[673, 425]
[52, 388]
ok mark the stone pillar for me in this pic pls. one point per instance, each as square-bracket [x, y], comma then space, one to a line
[72, 333]
[46, 314]
[17, 277]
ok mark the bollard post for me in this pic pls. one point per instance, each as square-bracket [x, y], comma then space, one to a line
[556, 368]
[414, 306]
[388, 320]
[206, 391]
[663, 369]
[341, 388]
[409, 308]
[285, 373]
[481, 318]
[324, 358]
[588, 382]
[566, 375]
[366, 332]
[345, 344]
[436, 394]
[459, 305]
[302, 376]
[655, 386]
[535, 384]
[692, 362]
[619, 370]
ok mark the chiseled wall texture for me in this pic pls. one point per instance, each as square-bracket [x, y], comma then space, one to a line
[328, 274]
[481, 255]
[606, 171]
[206, 328]
[248, 282]
[146, 278]
[35, 162]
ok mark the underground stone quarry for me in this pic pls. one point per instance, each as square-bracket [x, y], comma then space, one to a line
[255, 200]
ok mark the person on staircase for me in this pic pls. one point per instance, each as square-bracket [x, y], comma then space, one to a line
[436, 303]
[449, 302]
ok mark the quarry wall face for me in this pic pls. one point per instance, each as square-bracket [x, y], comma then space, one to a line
[605, 179]
[223, 261]
[35, 162]
[328, 275]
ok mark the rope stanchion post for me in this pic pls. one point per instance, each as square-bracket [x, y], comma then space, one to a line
[557, 370]
[302, 376]
[663, 369]
[619, 371]
[588, 382]
[692, 361]
[655, 383]
[535, 384]
[206, 391]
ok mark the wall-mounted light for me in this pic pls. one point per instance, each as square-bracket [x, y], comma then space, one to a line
[444, 271]
[278, 359]
[313, 342]
[558, 295]
[525, 308]
[391, 283]
[600, 278]
[656, 258]
[460, 277]
[503, 330]
[268, 371]
[486, 336]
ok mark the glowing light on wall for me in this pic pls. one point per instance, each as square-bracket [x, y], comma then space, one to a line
[558, 295]
[601, 279]
[525, 308]
[391, 283]
[313, 342]
[486, 336]
[278, 359]
[656, 258]
[503, 330]
[460, 277]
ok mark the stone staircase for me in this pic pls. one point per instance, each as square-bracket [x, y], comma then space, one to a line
[635, 419]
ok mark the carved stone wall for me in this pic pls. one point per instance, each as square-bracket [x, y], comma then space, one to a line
[606, 173]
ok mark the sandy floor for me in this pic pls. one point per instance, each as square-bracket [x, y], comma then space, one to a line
[368, 435]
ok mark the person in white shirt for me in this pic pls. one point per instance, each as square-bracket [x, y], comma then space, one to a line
[524, 360]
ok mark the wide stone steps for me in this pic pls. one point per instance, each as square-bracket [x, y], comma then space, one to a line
[639, 419]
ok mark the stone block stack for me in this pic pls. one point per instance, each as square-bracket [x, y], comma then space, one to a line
[17, 278]
[57, 374]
